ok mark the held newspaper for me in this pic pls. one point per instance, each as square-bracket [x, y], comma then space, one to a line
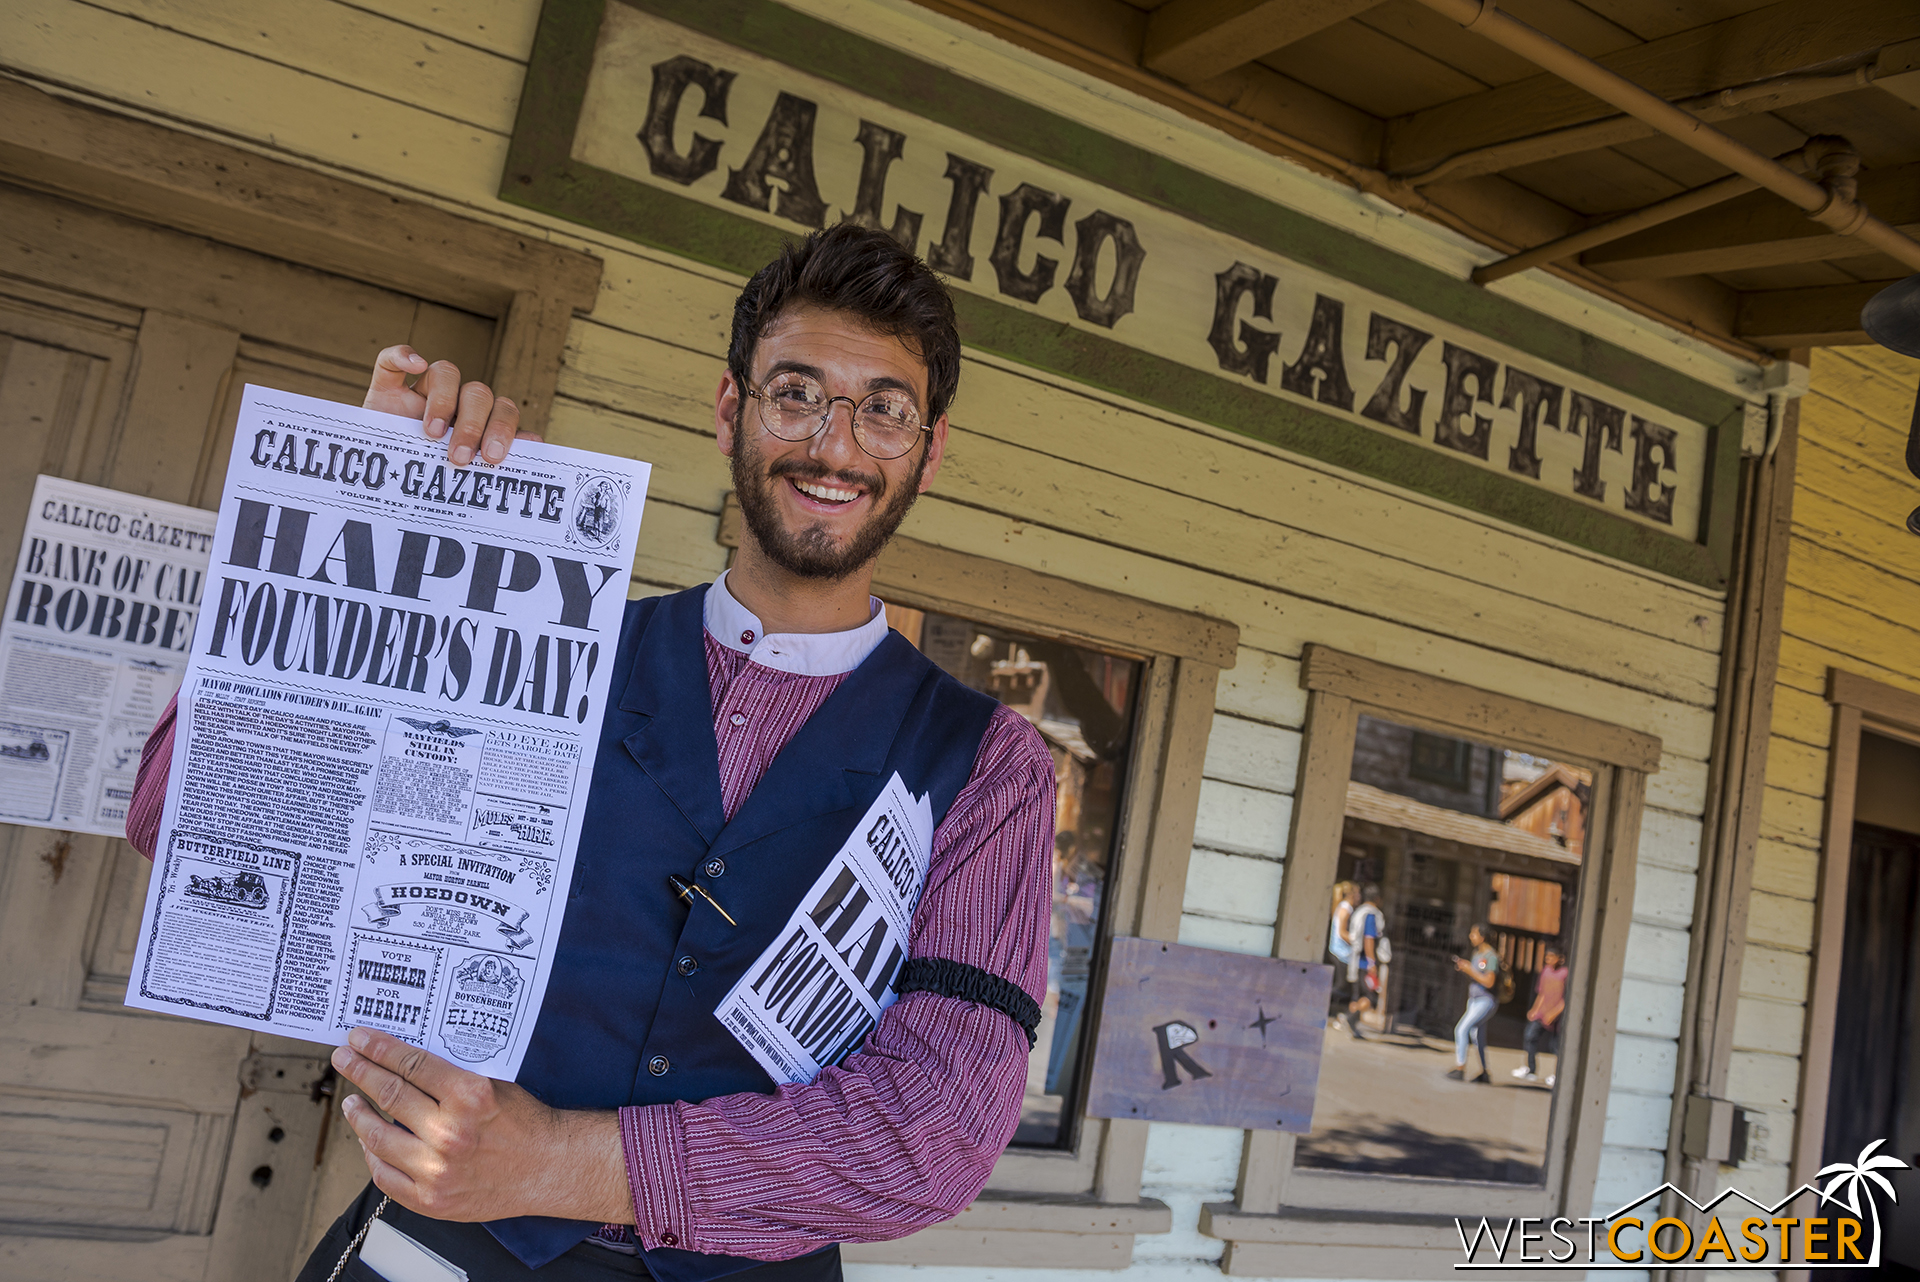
[386, 731]
[99, 615]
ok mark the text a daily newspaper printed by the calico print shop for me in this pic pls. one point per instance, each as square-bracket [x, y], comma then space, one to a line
[386, 730]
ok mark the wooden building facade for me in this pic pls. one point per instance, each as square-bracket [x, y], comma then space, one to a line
[1243, 463]
[1823, 1042]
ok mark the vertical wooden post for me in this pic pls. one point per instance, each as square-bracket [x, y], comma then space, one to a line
[526, 366]
[1300, 927]
[1163, 887]
[1830, 926]
[1743, 730]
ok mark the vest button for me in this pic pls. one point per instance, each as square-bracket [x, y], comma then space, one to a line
[715, 867]
[686, 965]
[658, 1066]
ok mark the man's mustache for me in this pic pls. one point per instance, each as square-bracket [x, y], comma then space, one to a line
[806, 469]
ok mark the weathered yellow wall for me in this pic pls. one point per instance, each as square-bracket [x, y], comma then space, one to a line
[1853, 602]
[418, 97]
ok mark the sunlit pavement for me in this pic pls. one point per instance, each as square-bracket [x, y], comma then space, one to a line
[1386, 1105]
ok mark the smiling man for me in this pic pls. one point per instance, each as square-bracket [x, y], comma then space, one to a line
[754, 721]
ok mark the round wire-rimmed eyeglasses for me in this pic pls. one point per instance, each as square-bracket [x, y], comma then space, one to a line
[794, 407]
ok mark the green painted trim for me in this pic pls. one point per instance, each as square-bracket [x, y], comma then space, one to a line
[541, 174]
[1155, 380]
[1720, 492]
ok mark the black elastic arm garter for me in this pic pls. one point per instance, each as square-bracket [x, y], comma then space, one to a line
[971, 984]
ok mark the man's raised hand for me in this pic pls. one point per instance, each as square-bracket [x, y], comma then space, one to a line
[480, 422]
[470, 1148]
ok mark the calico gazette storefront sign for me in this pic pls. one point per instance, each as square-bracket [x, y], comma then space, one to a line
[692, 126]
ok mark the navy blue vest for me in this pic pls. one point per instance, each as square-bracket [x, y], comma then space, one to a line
[617, 1006]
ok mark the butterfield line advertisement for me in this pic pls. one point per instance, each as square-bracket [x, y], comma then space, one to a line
[105, 594]
[386, 730]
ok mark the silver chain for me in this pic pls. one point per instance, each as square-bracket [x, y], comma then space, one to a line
[358, 1238]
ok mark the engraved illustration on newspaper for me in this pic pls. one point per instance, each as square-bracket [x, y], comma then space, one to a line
[818, 989]
[386, 731]
[101, 608]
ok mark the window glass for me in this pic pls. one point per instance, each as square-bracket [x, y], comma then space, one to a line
[1449, 931]
[1082, 702]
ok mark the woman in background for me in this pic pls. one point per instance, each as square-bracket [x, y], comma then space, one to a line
[1482, 971]
[1346, 896]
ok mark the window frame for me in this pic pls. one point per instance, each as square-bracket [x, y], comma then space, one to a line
[1296, 1221]
[1079, 1206]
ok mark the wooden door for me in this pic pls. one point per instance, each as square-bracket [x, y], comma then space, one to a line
[133, 1144]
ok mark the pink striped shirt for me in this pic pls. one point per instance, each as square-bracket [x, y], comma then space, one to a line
[904, 1133]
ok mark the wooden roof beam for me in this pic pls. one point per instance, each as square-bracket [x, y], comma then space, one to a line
[1821, 316]
[1756, 230]
[1194, 40]
[1769, 42]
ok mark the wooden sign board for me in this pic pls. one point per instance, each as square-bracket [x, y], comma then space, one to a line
[720, 129]
[1218, 1039]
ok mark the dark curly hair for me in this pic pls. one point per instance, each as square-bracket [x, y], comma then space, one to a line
[864, 273]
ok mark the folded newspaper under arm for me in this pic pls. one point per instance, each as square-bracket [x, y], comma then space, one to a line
[836, 947]
[387, 726]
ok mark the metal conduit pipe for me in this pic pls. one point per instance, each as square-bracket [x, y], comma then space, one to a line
[1673, 207]
[1722, 104]
[1815, 155]
[1830, 209]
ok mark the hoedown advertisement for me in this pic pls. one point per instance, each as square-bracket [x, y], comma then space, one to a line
[386, 731]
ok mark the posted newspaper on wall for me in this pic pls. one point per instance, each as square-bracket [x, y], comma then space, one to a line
[386, 731]
[94, 639]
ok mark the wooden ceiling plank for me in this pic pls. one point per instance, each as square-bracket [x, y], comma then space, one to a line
[1773, 41]
[1822, 316]
[1652, 19]
[1755, 230]
[1112, 28]
[1572, 24]
[1263, 94]
[1597, 184]
[1345, 61]
[1194, 40]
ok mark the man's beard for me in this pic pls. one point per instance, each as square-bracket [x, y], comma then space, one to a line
[811, 553]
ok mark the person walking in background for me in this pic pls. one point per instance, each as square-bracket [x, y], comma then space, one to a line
[1543, 1017]
[1482, 971]
[1367, 933]
[1346, 895]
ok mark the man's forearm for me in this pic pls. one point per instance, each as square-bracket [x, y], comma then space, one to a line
[586, 1170]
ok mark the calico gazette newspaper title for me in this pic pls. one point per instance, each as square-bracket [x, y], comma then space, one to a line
[1841, 1227]
[682, 112]
[302, 590]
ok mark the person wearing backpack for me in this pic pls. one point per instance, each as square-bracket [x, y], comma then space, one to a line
[1367, 929]
[1483, 971]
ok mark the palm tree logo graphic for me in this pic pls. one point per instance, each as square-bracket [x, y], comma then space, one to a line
[1858, 1176]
